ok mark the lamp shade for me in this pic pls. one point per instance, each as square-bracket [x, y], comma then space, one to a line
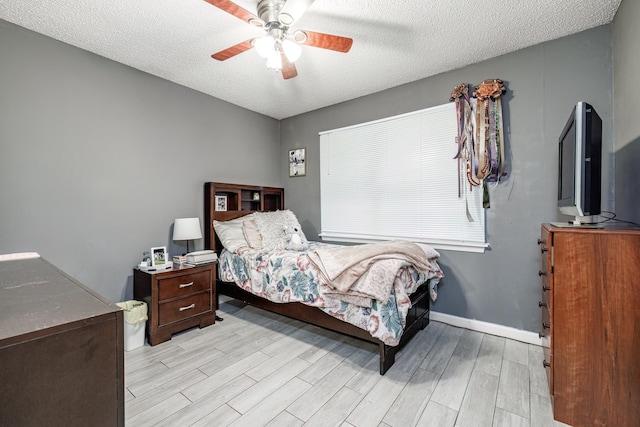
[274, 61]
[292, 50]
[265, 46]
[187, 229]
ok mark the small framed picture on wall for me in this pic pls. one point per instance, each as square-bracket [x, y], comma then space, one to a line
[297, 162]
[221, 203]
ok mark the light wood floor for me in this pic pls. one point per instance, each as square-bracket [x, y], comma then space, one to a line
[256, 368]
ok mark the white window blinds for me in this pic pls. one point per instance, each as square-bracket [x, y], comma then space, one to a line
[396, 178]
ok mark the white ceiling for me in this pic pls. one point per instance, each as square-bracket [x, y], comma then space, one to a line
[395, 41]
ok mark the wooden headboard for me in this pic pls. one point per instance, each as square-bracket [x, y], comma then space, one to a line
[240, 200]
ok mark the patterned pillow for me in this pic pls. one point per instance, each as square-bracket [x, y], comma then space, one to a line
[272, 226]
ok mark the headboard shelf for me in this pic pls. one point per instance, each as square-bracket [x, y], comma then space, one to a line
[236, 200]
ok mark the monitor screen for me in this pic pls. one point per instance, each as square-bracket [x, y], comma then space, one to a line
[579, 164]
[567, 152]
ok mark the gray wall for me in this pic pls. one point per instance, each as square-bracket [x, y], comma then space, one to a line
[97, 159]
[544, 83]
[626, 69]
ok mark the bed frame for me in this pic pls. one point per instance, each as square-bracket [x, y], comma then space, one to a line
[242, 200]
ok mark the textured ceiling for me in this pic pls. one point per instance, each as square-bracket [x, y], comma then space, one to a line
[395, 41]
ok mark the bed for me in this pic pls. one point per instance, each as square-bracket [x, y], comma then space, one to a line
[306, 280]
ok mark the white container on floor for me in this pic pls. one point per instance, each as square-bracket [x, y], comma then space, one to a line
[135, 316]
[134, 335]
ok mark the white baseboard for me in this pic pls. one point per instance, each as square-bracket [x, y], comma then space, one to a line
[487, 328]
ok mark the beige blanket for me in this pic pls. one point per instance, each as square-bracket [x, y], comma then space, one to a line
[357, 274]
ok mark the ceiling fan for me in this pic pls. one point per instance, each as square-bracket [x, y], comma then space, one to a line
[280, 47]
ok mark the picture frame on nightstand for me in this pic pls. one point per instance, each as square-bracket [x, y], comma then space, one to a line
[159, 256]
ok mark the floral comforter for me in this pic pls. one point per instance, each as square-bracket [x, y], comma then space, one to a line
[288, 276]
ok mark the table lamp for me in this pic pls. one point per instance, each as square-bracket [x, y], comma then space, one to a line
[187, 229]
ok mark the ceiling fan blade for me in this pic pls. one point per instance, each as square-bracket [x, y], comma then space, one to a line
[288, 69]
[235, 10]
[293, 10]
[232, 51]
[324, 41]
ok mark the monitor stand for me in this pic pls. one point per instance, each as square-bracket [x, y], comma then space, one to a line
[579, 222]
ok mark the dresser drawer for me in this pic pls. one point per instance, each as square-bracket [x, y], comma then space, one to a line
[545, 326]
[546, 302]
[545, 292]
[187, 284]
[183, 308]
[544, 258]
[548, 366]
[547, 345]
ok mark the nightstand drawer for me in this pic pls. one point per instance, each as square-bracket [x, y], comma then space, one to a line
[178, 299]
[183, 308]
[183, 285]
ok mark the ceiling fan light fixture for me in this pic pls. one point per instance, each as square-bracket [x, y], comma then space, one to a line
[274, 61]
[292, 50]
[265, 46]
[279, 47]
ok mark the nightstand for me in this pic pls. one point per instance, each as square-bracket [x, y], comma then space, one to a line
[177, 299]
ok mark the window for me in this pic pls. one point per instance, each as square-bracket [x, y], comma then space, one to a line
[396, 178]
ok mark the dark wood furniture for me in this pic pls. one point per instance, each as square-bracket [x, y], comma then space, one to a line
[177, 299]
[61, 350]
[240, 202]
[591, 324]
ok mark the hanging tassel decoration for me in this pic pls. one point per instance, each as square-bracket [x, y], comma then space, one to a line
[480, 151]
[490, 133]
[466, 152]
[465, 142]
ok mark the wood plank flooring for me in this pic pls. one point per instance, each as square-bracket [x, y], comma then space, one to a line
[260, 369]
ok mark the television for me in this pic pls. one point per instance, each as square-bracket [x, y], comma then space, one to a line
[580, 165]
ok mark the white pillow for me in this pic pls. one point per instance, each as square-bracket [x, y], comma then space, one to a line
[272, 227]
[230, 233]
[252, 234]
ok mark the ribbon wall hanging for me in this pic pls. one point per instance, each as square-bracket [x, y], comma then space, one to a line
[465, 139]
[480, 137]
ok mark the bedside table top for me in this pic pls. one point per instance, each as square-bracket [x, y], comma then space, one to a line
[174, 269]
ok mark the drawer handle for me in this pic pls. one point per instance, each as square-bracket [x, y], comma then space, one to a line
[540, 241]
[542, 304]
[545, 325]
[187, 307]
[546, 364]
[185, 285]
[541, 335]
[542, 273]
[544, 249]
[545, 288]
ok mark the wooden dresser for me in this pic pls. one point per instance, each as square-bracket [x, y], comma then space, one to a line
[591, 324]
[178, 299]
[61, 350]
